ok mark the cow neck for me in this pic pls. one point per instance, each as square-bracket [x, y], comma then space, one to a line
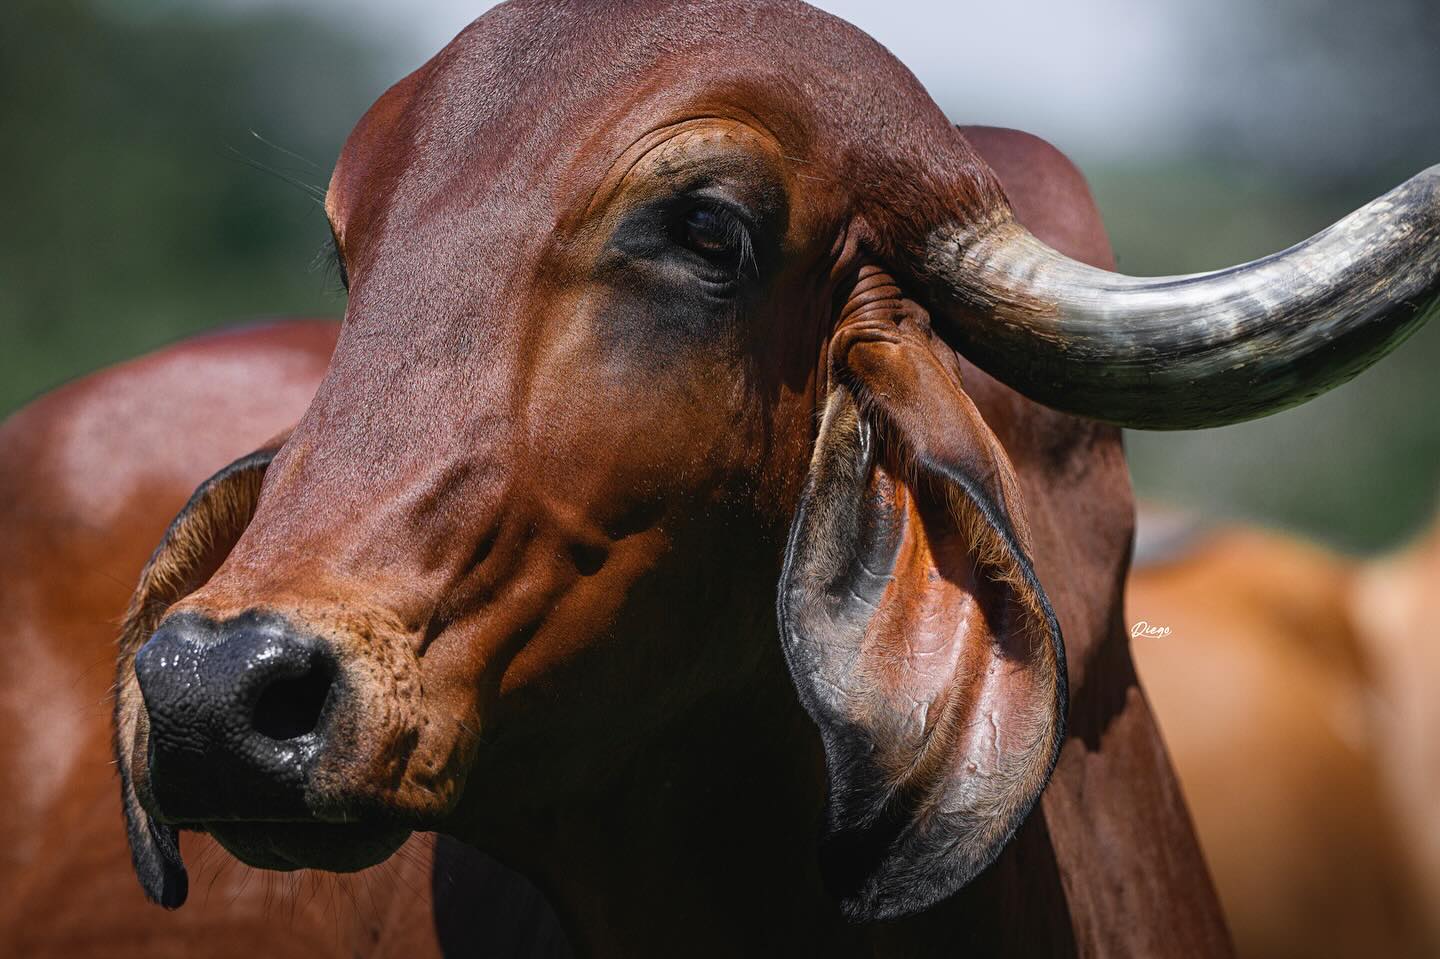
[706, 838]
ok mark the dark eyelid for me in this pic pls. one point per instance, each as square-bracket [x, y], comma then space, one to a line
[722, 203]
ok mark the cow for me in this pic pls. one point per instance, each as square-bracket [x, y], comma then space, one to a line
[654, 306]
[1315, 673]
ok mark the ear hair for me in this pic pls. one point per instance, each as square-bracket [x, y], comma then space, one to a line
[193, 547]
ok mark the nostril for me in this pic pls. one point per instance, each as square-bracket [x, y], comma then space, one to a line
[290, 708]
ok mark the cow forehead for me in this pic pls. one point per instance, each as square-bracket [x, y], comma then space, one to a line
[536, 99]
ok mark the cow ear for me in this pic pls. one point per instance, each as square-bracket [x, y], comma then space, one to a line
[194, 546]
[916, 633]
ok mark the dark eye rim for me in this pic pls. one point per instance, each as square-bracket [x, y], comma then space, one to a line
[650, 236]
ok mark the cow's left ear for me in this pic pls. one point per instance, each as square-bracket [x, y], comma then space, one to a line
[916, 632]
[194, 546]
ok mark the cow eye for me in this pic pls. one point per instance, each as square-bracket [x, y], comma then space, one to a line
[707, 232]
[717, 235]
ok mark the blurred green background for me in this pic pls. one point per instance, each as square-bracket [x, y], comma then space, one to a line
[158, 157]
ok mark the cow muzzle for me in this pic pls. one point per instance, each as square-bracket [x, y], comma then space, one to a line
[238, 711]
[256, 734]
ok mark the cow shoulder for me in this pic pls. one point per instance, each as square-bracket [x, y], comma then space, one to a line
[90, 475]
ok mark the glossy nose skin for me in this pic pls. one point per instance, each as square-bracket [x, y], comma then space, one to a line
[238, 713]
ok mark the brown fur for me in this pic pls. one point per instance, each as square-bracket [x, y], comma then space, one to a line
[1294, 690]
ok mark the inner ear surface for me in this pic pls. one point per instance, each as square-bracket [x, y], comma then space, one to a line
[915, 631]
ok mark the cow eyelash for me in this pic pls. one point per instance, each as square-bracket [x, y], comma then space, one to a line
[718, 234]
[332, 261]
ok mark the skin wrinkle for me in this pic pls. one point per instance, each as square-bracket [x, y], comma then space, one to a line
[650, 148]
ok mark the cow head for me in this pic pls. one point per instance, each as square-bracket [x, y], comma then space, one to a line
[639, 324]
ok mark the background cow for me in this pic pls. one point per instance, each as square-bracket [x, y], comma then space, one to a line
[1295, 690]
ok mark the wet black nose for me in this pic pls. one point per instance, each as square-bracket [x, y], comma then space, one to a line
[238, 712]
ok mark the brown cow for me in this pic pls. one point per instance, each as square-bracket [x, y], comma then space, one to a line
[510, 575]
[94, 471]
[1315, 674]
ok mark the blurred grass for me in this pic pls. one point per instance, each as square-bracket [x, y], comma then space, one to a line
[133, 218]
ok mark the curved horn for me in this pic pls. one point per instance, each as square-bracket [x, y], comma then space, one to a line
[1202, 350]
